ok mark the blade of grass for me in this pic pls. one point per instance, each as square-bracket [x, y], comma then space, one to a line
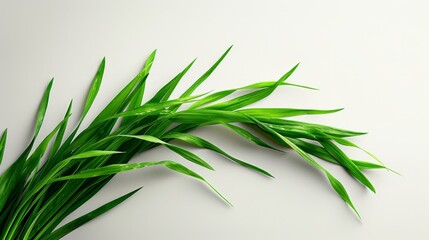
[328, 130]
[61, 131]
[321, 153]
[165, 92]
[338, 187]
[3, 145]
[69, 227]
[117, 168]
[345, 142]
[136, 101]
[95, 87]
[252, 97]
[12, 180]
[283, 112]
[204, 77]
[202, 143]
[222, 94]
[179, 150]
[42, 109]
[345, 161]
[250, 137]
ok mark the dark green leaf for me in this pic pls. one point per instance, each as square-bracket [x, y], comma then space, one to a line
[69, 227]
[3, 145]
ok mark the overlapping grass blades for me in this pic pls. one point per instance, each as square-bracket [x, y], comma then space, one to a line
[37, 195]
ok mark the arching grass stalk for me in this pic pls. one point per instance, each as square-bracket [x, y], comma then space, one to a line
[37, 195]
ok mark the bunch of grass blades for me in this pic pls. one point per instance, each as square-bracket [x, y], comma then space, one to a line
[43, 186]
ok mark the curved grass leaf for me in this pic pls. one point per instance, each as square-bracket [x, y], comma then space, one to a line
[117, 168]
[179, 150]
[284, 112]
[222, 94]
[345, 161]
[345, 142]
[249, 136]
[95, 87]
[202, 143]
[204, 77]
[328, 130]
[338, 187]
[321, 153]
[252, 97]
[69, 227]
[165, 92]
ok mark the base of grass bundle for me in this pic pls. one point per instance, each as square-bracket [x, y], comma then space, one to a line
[50, 181]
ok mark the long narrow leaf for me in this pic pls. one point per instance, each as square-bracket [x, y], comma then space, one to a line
[345, 161]
[199, 142]
[69, 227]
[117, 168]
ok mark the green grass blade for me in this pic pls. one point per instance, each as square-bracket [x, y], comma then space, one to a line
[69, 227]
[109, 170]
[3, 145]
[345, 161]
[202, 143]
[34, 160]
[250, 137]
[64, 165]
[284, 112]
[95, 87]
[136, 101]
[363, 165]
[222, 94]
[212, 98]
[117, 168]
[179, 150]
[122, 99]
[321, 153]
[345, 142]
[341, 191]
[184, 170]
[204, 77]
[328, 130]
[12, 181]
[61, 131]
[153, 107]
[252, 97]
[165, 92]
[189, 156]
[338, 187]
[42, 108]
[208, 116]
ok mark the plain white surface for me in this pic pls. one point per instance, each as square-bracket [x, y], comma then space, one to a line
[368, 56]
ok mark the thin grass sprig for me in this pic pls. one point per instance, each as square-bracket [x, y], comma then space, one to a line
[48, 182]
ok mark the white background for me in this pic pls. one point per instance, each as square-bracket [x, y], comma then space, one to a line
[368, 56]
